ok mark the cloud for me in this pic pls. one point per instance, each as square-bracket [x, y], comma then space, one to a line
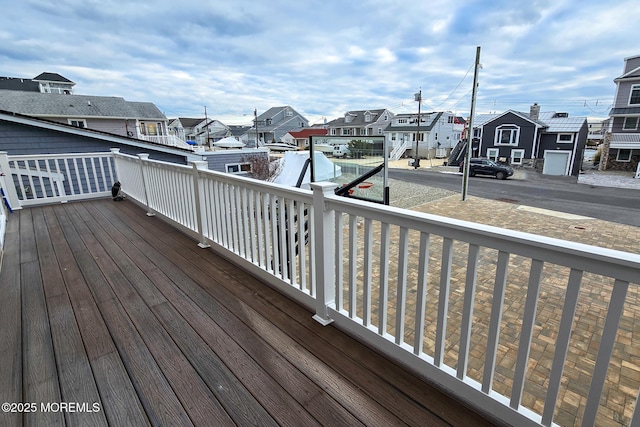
[325, 57]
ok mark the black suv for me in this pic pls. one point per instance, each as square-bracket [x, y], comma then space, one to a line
[488, 167]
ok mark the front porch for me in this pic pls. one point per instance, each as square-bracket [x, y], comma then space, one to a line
[101, 304]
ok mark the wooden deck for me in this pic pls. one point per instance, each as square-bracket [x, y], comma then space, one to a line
[130, 323]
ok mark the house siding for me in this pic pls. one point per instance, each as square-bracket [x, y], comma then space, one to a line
[17, 139]
[525, 140]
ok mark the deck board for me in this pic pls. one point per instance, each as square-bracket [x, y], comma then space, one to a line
[128, 312]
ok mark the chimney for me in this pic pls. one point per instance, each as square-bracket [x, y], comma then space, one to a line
[534, 112]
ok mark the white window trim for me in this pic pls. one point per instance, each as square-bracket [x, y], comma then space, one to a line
[625, 122]
[631, 93]
[564, 142]
[84, 122]
[228, 166]
[513, 160]
[499, 129]
[493, 154]
[623, 160]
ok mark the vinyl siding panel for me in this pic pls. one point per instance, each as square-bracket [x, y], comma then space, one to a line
[21, 139]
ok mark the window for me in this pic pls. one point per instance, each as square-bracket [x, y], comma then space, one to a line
[517, 156]
[623, 156]
[630, 123]
[493, 154]
[507, 135]
[565, 138]
[634, 97]
[238, 168]
[79, 123]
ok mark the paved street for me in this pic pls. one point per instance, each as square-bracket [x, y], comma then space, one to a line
[596, 199]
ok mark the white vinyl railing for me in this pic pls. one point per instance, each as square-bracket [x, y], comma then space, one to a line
[532, 330]
[53, 178]
[398, 150]
[170, 140]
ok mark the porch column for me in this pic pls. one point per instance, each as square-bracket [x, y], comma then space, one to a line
[324, 246]
[143, 158]
[198, 194]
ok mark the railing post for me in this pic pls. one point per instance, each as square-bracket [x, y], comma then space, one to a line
[143, 158]
[324, 245]
[6, 182]
[199, 198]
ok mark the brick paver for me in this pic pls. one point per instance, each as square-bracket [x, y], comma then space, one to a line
[623, 379]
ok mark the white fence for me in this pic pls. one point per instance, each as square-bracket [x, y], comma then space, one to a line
[489, 314]
[53, 178]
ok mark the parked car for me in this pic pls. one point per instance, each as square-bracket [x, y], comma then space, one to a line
[488, 167]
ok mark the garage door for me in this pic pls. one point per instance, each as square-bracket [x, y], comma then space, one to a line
[556, 162]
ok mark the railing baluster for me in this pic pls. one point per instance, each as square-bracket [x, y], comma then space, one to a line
[282, 236]
[607, 341]
[467, 310]
[421, 294]
[401, 294]
[443, 300]
[260, 213]
[274, 237]
[562, 344]
[302, 245]
[368, 254]
[528, 322]
[496, 318]
[267, 212]
[353, 265]
[291, 238]
[384, 279]
[339, 261]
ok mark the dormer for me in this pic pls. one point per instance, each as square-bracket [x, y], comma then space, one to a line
[54, 83]
[369, 116]
[348, 118]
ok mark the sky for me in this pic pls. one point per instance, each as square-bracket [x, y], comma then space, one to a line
[324, 58]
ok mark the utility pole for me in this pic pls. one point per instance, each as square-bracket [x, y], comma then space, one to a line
[416, 158]
[255, 114]
[465, 172]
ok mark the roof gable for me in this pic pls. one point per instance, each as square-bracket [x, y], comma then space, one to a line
[52, 77]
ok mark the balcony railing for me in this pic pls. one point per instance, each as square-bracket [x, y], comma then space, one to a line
[410, 285]
[170, 140]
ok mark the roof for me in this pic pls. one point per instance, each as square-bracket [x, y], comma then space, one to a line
[305, 133]
[624, 111]
[63, 127]
[431, 118]
[190, 122]
[58, 105]
[16, 83]
[358, 118]
[549, 120]
[52, 77]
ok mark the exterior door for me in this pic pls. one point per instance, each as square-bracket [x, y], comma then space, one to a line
[556, 162]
